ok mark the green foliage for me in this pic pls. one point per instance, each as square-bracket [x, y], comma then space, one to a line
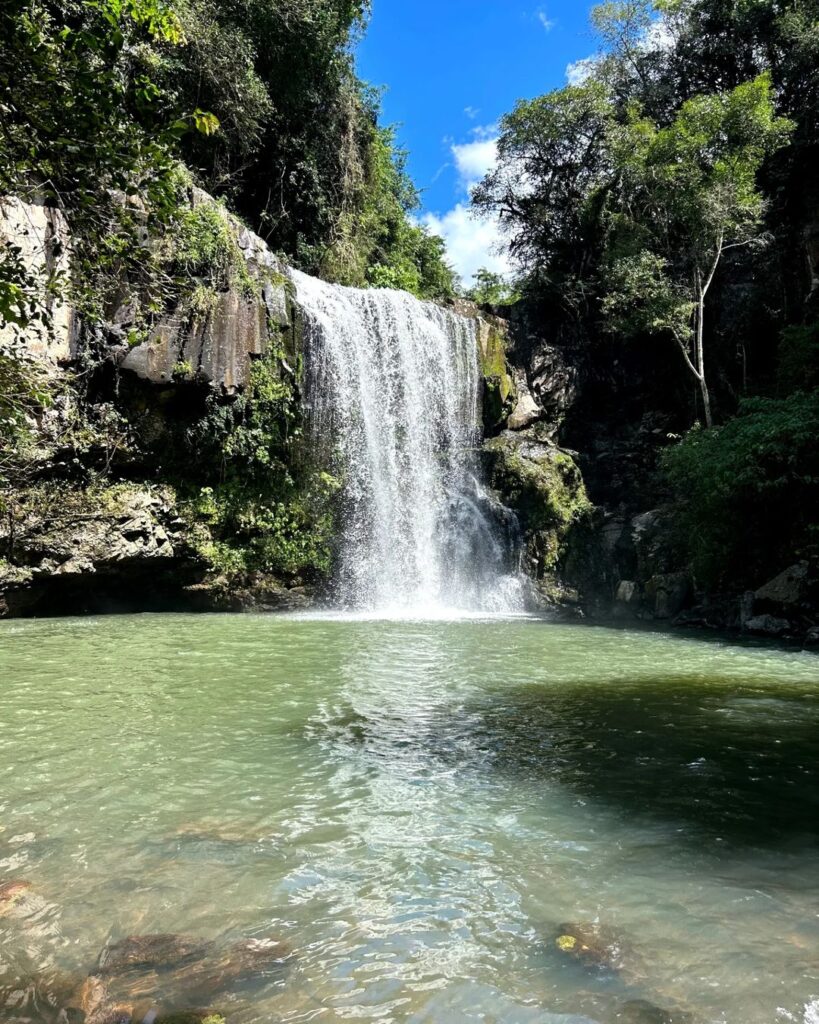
[492, 289]
[748, 492]
[552, 160]
[20, 291]
[25, 391]
[693, 183]
[376, 242]
[798, 367]
[684, 194]
[643, 297]
[265, 509]
[85, 126]
[299, 150]
[202, 244]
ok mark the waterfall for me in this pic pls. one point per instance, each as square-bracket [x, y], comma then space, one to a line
[393, 390]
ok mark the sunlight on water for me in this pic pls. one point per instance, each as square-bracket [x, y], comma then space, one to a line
[422, 811]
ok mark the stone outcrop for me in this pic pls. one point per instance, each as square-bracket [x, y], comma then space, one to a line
[123, 548]
[542, 485]
[500, 393]
[66, 558]
[39, 235]
[216, 344]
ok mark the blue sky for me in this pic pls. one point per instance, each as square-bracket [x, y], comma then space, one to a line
[451, 69]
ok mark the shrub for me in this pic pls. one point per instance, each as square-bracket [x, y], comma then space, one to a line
[748, 492]
[798, 368]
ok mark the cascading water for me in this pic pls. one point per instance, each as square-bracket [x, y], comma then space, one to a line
[393, 397]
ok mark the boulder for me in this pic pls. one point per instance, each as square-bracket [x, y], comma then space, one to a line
[667, 595]
[787, 590]
[543, 486]
[652, 539]
[768, 625]
[526, 411]
[628, 593]
[812, 637]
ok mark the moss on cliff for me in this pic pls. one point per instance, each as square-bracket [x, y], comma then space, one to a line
[499, 386]
[544, 487]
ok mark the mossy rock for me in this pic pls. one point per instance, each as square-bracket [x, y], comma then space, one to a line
[500, 392]
[544, 486]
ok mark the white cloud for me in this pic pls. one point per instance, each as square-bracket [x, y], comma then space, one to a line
[471, 112]
[581, 70]
[544, 19]
[472, 242]
[474, 159]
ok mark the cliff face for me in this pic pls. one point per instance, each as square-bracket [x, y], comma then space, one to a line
[615, 549]
[119, 497]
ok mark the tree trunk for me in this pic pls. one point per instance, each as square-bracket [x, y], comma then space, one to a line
[700, 353]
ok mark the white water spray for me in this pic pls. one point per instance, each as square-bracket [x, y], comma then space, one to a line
[393, 393]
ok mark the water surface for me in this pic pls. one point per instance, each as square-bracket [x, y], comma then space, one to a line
[417, 808]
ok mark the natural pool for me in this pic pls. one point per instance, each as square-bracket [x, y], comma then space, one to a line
[419, 809]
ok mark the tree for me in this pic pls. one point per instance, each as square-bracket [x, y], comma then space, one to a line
[492, 289]
[84, 126]
[552, 159]
[685, 194]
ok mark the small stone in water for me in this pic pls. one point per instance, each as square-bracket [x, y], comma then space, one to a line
[93, 1000]
[591, 944]
[12, 892]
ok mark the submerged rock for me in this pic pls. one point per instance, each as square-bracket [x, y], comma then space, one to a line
[640, 1011]
[32, 988]
[251, 960]
[172, 979]
[12, 893]
[592, 944]
[93, 999]
[153, 952]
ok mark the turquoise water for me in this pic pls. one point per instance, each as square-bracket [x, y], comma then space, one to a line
[418, 809]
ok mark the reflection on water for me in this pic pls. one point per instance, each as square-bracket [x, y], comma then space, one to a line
[420, 811]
